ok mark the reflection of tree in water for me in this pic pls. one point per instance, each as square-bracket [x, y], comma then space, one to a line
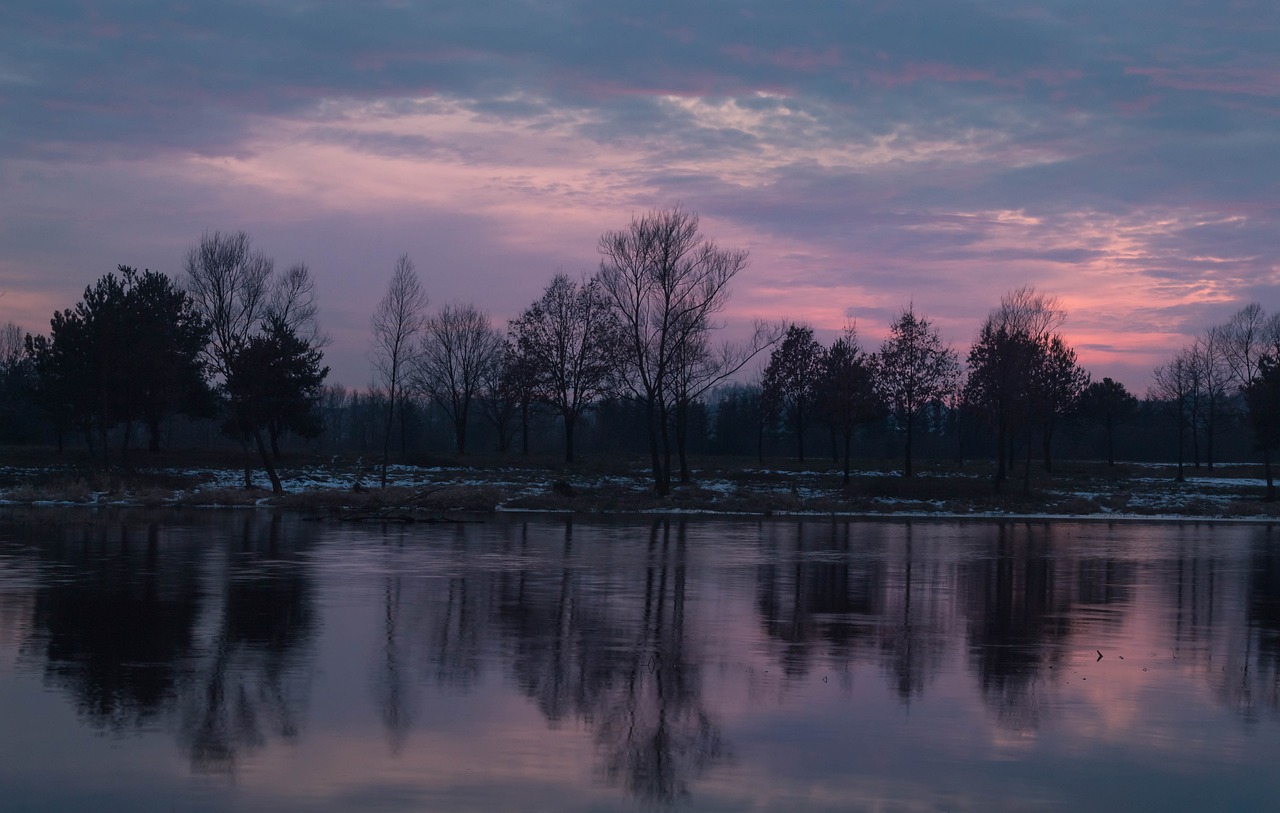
[825, 590]
[914, 627]
[115, 625]
[1017, 618]
[251, 683]
[393, 694]
[620, 663]
[655, 734]
[1246, 662]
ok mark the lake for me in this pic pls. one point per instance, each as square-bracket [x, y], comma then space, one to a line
[223, 660]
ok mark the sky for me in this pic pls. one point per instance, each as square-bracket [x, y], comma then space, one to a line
[1122, 155]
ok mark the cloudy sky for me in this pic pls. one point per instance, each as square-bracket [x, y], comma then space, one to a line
[1123, 155]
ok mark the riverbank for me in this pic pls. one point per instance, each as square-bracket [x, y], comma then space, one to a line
[350, 488]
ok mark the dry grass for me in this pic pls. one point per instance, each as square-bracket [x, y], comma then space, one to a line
[728, 487]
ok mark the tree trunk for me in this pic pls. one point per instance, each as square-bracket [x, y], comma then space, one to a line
[404, 426]
[124, 442]
[276, 487]
[248, 463]
[651, 419]
[569, 421]
[1000, 453]
[1208, 435]
[1111, 441]
[460, 435]
[664, 425]
[1195, 440]
[848, 444]
[682, 440]
[153, 433]
[1266, 467]
[1047, 440]
[760, 442]
[911, 426]
[1181, 444]
[800, 430]
[524, 427]
[102, 440]
[386, 435]
[1026, 468]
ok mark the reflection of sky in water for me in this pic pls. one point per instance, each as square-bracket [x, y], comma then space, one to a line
[226, 661]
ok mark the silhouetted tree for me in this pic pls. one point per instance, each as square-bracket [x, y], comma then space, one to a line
[396, 324]
[698, 367]
[914, 369]
[275, 380]
[1009, 369]
[18, 408]
[1175, 386]
[1108, 403]
[169, 336]
[845, 393]
[1262, 395]
[666, 282]
[737, 420]
[1057, 383]
[504, 389]
[571, 338]
[232, 287]
[792, 376]
[1209, 353]
[129, 351]
[458, 346]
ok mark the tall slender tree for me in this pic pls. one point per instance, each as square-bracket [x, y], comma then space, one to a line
[792, 376]
[1174, 385]
[846, 393]
[1262, 394]
[913, 369]
[396, 324]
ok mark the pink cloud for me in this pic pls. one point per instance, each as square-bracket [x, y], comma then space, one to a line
[1236, 80]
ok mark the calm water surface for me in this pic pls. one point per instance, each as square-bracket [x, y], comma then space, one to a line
[239, 661]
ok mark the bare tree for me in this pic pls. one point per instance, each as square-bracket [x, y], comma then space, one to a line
[11, 345]
[912, 370]
[1209, 353]
[293, 300]
[571, 337]
[666, 282]
[699, 367]
[229, 283]
[1246, 337]
[397, 323]
[257, 329]
[846, 394]
[457, 347]
[1175, 384]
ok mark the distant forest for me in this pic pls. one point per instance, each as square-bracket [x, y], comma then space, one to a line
[624, 363]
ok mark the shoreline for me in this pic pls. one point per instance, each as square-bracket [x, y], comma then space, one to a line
[1079, 492]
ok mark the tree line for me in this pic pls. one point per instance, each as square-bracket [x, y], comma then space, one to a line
[633, 345]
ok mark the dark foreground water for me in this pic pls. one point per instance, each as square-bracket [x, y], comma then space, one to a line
[239, 661]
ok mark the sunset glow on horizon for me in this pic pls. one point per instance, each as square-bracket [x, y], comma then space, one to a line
[1123, 157]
